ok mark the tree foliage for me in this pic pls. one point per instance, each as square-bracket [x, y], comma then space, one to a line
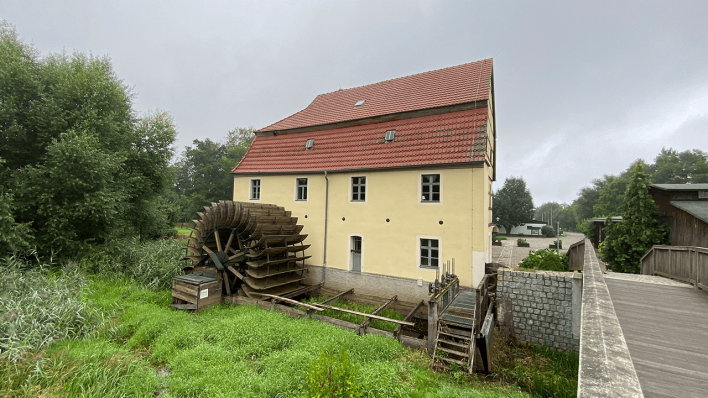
[606, 195]
[641, 227]
[204, 171]
[673, 167]
[80, 166]
[512, 204]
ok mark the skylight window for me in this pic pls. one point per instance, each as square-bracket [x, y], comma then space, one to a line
[390, 135]
[310, 143]
[359, 103]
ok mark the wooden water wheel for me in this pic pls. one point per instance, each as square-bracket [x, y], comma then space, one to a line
[251, 247]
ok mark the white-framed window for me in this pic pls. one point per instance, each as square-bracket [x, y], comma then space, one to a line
[358, 189]
[429, 251]
[430, 188]
[255, 189]
[301, 188]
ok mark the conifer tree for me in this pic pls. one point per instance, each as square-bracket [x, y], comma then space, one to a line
[641, 227]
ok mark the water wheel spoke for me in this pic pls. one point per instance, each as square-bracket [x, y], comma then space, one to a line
[228, 243]
[218, 240]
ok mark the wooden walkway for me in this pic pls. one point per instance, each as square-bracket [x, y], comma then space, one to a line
[666, 329]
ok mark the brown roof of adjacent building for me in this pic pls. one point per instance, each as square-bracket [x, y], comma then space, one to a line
[681, 187]
[443, 87]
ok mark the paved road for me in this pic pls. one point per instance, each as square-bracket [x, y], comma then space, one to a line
[511, 255]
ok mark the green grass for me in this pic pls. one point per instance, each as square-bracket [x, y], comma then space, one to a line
[224, 351]
[539, 370]
[183, 231]
[358, 307]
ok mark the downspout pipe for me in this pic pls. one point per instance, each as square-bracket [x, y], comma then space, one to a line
[324, 256]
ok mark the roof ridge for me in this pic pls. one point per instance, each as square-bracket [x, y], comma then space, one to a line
[403, 77]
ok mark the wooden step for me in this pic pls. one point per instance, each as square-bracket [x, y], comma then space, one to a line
[453, 352]
[452, 361]
[457, 336]
[441, 341]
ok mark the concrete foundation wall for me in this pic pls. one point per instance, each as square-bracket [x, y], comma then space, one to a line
[371, 284]
[540, 307]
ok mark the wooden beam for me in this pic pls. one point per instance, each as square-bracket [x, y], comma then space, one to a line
[218, 240]
[365, 315]
[184, 306]
[287, 300]
[408, 318]
[233, 271]
[302, 290]
[362, 327]
[340, 295]
[228, 283]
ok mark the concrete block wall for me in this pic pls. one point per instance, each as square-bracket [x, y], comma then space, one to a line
[540, 307]
[409, 290]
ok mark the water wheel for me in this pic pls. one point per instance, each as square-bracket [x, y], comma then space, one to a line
[251, 247]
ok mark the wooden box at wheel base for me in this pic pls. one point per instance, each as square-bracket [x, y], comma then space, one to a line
[195, 292]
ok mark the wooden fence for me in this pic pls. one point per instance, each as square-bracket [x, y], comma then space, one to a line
[576, 255]
[684, 263]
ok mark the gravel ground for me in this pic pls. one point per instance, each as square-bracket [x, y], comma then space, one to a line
[511, 255]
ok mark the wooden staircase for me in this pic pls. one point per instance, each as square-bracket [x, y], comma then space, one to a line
[455, 343]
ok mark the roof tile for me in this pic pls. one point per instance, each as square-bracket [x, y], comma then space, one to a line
[443, 87]
[436, 139]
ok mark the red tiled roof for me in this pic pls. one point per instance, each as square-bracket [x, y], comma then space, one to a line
[436, 139]
[442, 87]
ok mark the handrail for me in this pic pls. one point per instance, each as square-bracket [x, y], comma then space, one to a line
[685, 263]
[606, 368]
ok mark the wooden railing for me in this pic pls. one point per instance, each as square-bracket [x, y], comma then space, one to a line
[576, 255]
[684, 263]
[483, 299]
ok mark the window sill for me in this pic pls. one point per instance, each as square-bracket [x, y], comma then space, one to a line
[427, 267]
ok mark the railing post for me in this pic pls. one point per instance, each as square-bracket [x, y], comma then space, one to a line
[653, 257]
[432, 324]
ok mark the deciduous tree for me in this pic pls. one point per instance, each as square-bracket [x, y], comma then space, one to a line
[512, 204]
[81, 166]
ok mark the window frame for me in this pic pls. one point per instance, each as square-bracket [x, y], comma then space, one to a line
[351, 188]
[420, 187]
[419, 246]
[250, 189]
[297, 189]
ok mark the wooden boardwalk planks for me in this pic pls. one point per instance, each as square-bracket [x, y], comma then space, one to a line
[666, 329]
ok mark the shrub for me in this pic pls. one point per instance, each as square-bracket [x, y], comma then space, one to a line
[546, 260]
[520, 240]
[548, 231]
[150, 263]
[333, 375]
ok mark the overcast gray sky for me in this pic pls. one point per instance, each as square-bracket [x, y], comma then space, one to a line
[582, 89]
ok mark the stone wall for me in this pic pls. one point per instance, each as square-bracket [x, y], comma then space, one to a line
[540, 307]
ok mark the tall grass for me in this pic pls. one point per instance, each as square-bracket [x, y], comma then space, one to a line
[38, 307]
[224, 351]
[152, 263]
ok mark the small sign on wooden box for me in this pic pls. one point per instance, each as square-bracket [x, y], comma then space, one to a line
[195, 292]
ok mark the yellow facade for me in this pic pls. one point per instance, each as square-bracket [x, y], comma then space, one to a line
[392, 219]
